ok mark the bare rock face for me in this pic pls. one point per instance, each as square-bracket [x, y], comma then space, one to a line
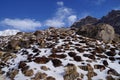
[112, 18]
[84, 21]
[105, 32]
[101, 31]
[71, 72]
[50, 78]
[39, 76]
[12, 74]
[87, 30]
[29, 72]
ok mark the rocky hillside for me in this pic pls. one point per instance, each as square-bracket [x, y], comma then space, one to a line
[84, 21]
[112, 18]
[58, 54]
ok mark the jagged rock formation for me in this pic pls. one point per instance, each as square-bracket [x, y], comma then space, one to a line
[101, 31]
[86, 26]
[85, 21]
[112, 18]
[58, 54]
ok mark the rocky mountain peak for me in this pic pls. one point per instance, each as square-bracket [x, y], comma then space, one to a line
[84, 21]
[112, 18]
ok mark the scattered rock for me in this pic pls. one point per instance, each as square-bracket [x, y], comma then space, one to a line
[105, 62]
[50, 78]
[44, 68]
[72, 54]
[77, 58]
[71, 72]
[41, 60]
[56, 62]
[110, 53]
[110, 78]
[29, 72]
[13, 73]
[39, 76]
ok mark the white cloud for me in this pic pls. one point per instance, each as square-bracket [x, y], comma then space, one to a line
[60, 19]
[72, 19]
[99, 2]
[54, 23]
[60, 3]
[21, 24]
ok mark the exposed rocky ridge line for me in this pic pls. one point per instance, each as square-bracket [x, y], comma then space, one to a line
[84, 21]
[112, 18]
[58, 54]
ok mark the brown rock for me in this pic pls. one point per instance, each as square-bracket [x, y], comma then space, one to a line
[71, 72]
[72, 54]
[105, 62]
[44, 68]
[101, 67]
[39, 76]
[29, 72]
[56, 62]
[109, 78]
[22, 64]
[78, 58]
[41, 60]
[13, 74]
[50, 78]
[105, 32]
[110, 53]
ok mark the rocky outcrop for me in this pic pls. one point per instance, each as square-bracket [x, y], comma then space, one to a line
[71, 72]
[112, 18]
[105, 32]
[84, 21]
[101, 31]
[87, 24]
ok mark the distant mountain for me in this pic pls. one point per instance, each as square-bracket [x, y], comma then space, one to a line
[84, 21]
[9, 32]
[112, 18]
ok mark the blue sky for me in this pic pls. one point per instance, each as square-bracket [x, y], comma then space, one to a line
[30, 15]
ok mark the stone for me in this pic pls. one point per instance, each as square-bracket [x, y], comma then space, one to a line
[29, 72]
[72, 54]
[109, 78]
[105, 32]
[71, 72]
[91, 72]
[100, 31]
[105, 62]
[110, 53]
[22, 64]
[50, 78]
[40, 75]
[13, 74]
[41, 60]
[77, 58]
[56, 62]
[44, 68]
[113, 72]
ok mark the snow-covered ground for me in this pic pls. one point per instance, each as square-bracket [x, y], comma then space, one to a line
[59, 72]
[8, 32]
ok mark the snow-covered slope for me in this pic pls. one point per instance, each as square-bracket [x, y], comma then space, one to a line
[53, 58]
[8, 32]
